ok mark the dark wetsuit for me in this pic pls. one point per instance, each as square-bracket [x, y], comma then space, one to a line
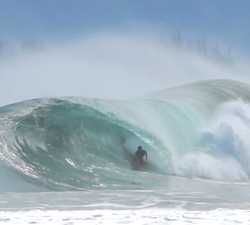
[140, 154]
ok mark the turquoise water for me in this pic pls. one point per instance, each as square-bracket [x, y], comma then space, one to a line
[199, 130]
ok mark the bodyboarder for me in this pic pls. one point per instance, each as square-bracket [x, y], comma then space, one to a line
[140, 153]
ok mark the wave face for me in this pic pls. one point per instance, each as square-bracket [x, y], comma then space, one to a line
[196, 130]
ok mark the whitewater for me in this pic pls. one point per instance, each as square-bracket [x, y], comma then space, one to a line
[68, 160]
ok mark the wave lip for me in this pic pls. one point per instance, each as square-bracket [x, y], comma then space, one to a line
[67, 146]
[195, 130]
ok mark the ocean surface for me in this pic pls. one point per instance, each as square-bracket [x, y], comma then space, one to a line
[70, 161]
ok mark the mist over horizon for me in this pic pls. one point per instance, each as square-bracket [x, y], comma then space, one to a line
[118, 51]
[109, 65]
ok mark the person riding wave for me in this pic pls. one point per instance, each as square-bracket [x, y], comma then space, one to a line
[140, 153]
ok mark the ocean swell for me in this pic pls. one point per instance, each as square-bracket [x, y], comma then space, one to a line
[195, 130]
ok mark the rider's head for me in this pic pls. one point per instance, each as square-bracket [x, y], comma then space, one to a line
[140, 148]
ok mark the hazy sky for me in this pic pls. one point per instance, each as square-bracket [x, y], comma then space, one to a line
[114, 49]
[218, 20]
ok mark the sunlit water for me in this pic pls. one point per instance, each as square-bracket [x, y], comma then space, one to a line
[69, 160]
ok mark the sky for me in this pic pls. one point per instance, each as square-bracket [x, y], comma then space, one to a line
[223, 20]
[116, 48]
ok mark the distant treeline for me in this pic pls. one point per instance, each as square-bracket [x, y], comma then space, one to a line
[201, 46]
[176, 40]
[26, 46]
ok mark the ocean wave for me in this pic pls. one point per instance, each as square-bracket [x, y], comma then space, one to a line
[196, 130]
